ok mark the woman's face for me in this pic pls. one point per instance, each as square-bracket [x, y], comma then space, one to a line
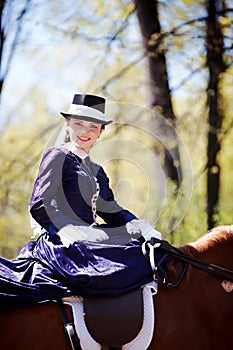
[82, 133]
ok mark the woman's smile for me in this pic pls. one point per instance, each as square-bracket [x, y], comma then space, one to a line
[82, 138]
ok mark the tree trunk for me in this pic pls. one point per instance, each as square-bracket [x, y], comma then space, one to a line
[2, 39]
[147, 13]
[216, 67]
[3, 36]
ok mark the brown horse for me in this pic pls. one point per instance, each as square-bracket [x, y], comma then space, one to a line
[197, 315]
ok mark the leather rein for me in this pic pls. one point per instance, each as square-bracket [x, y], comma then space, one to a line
[159, 274]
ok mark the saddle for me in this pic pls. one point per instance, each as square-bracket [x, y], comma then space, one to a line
[114, 321]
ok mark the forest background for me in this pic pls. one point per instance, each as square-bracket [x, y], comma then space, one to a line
[165, 68]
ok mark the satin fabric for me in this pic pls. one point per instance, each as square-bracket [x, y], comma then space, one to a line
[47, 270]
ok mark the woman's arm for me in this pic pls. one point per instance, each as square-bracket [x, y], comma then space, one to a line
[43, 205]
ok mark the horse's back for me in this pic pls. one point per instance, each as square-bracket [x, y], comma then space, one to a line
[37, 327]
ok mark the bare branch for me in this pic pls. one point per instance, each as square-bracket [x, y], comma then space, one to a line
[14, 42]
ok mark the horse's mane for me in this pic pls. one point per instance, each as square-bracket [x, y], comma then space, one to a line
[209, 240]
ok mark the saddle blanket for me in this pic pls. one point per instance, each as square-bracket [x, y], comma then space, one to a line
[143, 338]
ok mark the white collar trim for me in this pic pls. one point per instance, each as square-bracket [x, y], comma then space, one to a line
[78, 151]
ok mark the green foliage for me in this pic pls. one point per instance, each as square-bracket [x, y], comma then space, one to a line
[20, 152]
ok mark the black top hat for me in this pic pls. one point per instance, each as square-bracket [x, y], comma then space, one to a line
[87, 107]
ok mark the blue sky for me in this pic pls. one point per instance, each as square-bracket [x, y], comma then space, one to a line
[50, 61]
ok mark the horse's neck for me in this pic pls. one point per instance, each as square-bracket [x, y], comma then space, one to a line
[216, 247]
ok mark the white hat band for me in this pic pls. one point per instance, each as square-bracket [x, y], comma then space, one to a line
[86, 111]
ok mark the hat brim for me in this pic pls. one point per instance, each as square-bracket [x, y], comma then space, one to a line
[89, 119]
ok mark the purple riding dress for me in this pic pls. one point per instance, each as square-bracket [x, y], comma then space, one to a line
[63, 194]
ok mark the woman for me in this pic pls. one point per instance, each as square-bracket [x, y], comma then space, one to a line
[73, 254]
[70, 189]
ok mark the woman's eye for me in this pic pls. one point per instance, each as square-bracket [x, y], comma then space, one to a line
[93, 126]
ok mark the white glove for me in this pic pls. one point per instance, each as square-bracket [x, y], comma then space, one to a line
[71, 233]
[144, 228]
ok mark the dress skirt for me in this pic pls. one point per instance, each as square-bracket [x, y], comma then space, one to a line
[46, 269]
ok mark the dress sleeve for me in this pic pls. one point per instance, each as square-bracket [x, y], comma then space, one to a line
[49, 181]
[107, 206]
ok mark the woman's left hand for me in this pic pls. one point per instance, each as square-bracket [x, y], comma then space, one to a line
[140, 226]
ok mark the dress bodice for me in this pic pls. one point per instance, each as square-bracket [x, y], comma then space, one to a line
[64, 189]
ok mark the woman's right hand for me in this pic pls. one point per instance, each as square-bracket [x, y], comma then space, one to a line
[71, 233]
